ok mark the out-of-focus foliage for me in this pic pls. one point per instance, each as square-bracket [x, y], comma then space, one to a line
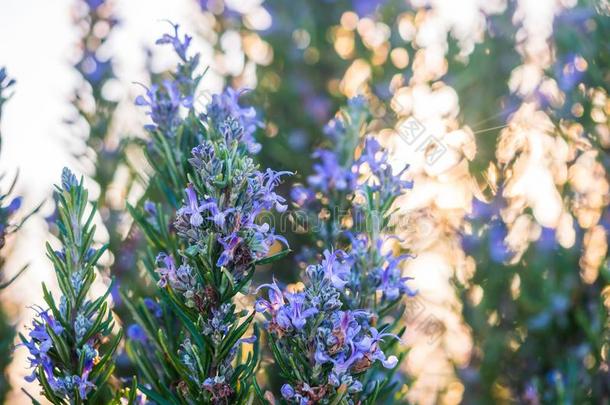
[7, 332]
[104, 147]
[537, 302]
[9, 206]
[540, 331]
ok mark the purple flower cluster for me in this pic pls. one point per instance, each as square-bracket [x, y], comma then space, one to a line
[376, 272]
[164, 102]
[330, 175]
[358, 190]
[217, 233]
[226, 105]
[181, 279]
[64, 339]
[375, 166]
[43, 355]
[227, 204]
[339, 344]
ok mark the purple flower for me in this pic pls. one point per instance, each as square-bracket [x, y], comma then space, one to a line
[136, 332]
[335, 129]
[373, 155]
[226, 105]
[94, 4]
[336, 268]
[382, 179]
[84, 386]
[14, 205]
[263, 237]
[498, 249]
[346, 359]
[180, 45]
[153, 307]
[392, 285]
[547, 240]
[482, 210]
[40, 343]
[217, 216]
[366, 7]
[229, 245]
[166, 273]
[329, 174]
[266, 198]
[193, 208]
[93, 69]
[295, 314]
[371, 345]
[164, 102]
[276, 299]
[301, 196]
[287, 391]
[150, 208]
[164, 106]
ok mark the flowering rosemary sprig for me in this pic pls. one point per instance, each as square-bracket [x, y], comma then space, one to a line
[70, 343]
[355, 196]
[347, 206]
[321, 348]
[206, 248]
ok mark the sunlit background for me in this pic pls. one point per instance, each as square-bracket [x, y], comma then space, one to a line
[514, 100]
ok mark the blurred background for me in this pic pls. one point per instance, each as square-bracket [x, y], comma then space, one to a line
[500, 107]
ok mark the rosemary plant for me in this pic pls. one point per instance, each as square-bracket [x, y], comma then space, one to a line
[71, 342]
[205, 240]
[327, 338]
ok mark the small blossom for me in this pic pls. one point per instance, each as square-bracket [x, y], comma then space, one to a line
[81, 326]
[227, 105]
[153, 307]
[336, 268]
[329, 174]
[276, 299]
[180, 45]
[296, 313]
[137, 333]
[68, 179]
[287, 391]
[193, 208]
[168, 271]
